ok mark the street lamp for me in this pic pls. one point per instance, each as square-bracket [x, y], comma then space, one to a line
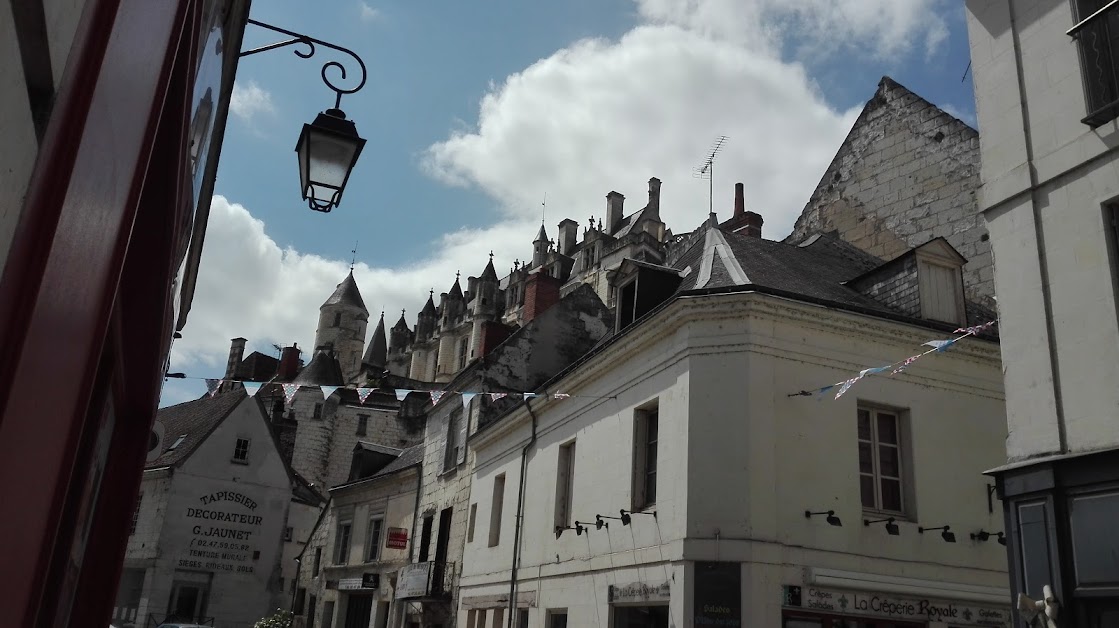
[329, 147]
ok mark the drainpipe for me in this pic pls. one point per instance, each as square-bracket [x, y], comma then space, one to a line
[416, 511]
[298, 572]
[518, 521]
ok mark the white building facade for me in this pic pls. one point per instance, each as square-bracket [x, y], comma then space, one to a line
[688, 415]
[1047, 98]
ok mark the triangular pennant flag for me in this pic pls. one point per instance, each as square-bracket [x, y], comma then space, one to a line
[845, 386]
[976, 329]
[873, 371]
[466, 397]
[904, 365]
[251, 387]
[363, 394]
[212, 386]
[401, 394]
[496, 396]
[530, 395]
[436, 395]
[560, 395]
[327, 391]
[941, 345]
[289, 392]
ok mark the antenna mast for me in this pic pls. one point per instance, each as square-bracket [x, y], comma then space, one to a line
[706, 170]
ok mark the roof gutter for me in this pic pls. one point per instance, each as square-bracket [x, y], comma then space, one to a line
[518, 522]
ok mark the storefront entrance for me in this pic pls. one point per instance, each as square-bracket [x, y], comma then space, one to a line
[812, 620]
[641, 616]
[359, 608]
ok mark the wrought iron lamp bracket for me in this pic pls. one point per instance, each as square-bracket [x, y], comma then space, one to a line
[310, 42]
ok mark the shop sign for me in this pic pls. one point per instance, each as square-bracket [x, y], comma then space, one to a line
[893, 606]
[412, 580]
[397, 538]
[718, 594]
[366, 581]
[638, 592]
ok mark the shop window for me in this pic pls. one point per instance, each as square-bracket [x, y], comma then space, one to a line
[495, 509]
[646, 430]
[1095, 34]
[342, 542]
[881, 461]
[241, 451]
[136, 515]
[362, 424]
[565, 480]
[373, 546]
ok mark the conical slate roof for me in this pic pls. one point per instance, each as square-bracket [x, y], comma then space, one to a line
[346, 294]
[378, 352]
[429, 307]
[322, 371]
[542, 236]
[401, 324]
[489, 274]
[456, 291]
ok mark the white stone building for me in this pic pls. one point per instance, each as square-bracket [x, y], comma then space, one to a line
[1047, 97]
[208, 533]
[688, 411]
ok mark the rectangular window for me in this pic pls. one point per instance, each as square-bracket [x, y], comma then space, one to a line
[362, 424]
[425, 538]
[941, 293]
[311, 612]
[522, 618]
[318, 411]
[300, 601]
[287, 534]
[327, 614]
[565, 480]
[646, 431]
[880, 460]
[342, 543]
[318, 562]
[498, 618]
[463, 352]
[557, 619]
[136, 515]
[470, 526]
[495, 509]
[241, 450]
[373, 546]
[450, 451]
[1095, 33]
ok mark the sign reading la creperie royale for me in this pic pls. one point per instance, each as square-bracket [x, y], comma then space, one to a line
[893, 606]
[224, 533]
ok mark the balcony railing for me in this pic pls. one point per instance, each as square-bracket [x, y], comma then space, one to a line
[1097, 37]
[425, 580]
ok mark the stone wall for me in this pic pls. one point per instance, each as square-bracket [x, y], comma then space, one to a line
[907, 173]
[896, 286]
[383, 427]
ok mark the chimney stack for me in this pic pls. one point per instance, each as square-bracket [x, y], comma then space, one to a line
[541, 292]
[289, 363]
[568, 231]
[743, 222]
[236, 354]
[739, 201]
[614, 202]
[655, 194]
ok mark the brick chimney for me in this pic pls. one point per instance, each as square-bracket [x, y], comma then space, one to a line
[236, 354]
[655, 194]
[289, 363]
[541, 292]
[744, 222]
[493, 334]
[614, 202]
[568, 231]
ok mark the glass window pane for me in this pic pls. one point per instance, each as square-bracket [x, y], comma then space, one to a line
[1095, 545]
[866, 458]
[887, 428]
[866, 486]
[1033, 530]
[864, 425]
[891, 495]
[888, 461]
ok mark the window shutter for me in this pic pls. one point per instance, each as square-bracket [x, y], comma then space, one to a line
[447, 441]
[463, 430]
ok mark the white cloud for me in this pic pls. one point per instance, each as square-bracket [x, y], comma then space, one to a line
[368, 13]
[960, 114]
[249, 100]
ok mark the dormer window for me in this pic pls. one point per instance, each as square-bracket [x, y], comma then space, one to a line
[941, 283]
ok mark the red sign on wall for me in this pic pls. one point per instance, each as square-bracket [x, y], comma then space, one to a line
[397, 538]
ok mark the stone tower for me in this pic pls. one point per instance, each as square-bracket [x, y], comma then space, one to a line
[486, 306]
[540, 247]
[342, 322]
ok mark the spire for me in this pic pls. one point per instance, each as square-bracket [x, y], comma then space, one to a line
[542, 236]
[489, 274]
[456, 290]
[429, 307]
[377, 353]
[346, 294]
[402, 323]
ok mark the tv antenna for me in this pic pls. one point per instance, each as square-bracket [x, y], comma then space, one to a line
[706, 170]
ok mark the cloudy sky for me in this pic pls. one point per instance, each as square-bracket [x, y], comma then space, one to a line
[475, 112]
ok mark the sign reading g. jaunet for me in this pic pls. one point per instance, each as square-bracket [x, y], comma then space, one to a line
[224, 533]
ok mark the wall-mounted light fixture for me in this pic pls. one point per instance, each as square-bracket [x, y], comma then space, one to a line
[597, 525]
[832, 519]
[624, 518]
[579, 529]
[948, 537]
[891, 527]
[982, 536]
[627, 513]
[329, 146]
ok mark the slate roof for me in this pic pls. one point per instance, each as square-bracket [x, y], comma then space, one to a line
[322, 371]
[541, 235]
[401, 324]
[346, 294]
[193, 420]
[410, 457]
[381, 449]
[489, 274]
[456, 290]
[378, 351]
[428, 309]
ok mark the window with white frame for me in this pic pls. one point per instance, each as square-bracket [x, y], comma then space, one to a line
[241, 450]
[646, 431]
[342, 542]
[881, 460]
[373, 543]
[565, 480]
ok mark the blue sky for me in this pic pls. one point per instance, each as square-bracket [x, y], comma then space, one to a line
[474, 111]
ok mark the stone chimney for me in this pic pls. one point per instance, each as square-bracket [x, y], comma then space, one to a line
[542, 291]
[739, 200]
[236, 354]
[568, 231]
[289, 363]
[614, 202]
[743, 222]
[655, 194]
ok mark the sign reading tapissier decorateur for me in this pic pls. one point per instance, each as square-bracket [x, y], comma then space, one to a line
[893, 606]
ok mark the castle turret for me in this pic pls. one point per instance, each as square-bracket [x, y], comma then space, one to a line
[342, 322]
[400, 336]
[486, 306]
[540, 247]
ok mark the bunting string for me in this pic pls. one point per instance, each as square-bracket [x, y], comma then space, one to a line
[937, 346]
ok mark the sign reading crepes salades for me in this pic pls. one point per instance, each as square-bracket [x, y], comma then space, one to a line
[893, 606]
